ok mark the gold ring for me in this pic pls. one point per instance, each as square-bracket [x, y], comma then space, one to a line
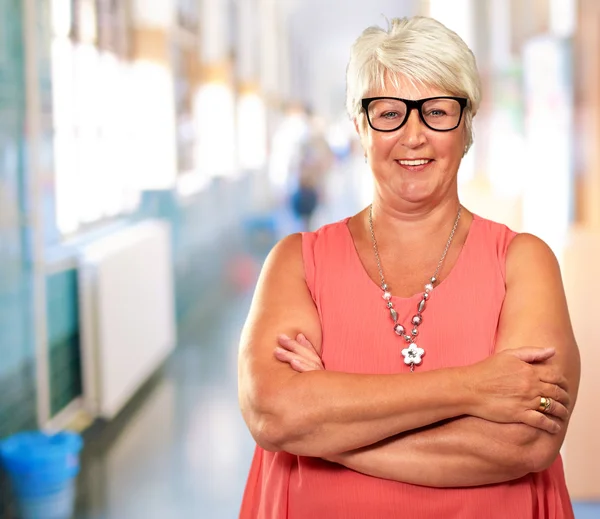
[545, 403]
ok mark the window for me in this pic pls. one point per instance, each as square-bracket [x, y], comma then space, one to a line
[92, 122]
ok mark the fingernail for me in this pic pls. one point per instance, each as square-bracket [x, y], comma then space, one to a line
[301, 337]
[280, 350]
[284, 337]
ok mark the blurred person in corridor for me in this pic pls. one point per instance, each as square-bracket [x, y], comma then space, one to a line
[315, 159]
[287, 140]
[414, 360]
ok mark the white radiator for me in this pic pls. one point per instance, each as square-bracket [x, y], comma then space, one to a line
[127, 313]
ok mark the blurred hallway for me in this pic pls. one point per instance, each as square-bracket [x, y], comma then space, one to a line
[149, 150]
[181, 448]
[183, 451]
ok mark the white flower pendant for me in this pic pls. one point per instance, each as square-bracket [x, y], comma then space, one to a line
[413, 354]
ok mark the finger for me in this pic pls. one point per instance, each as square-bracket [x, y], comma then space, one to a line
[558, 410]
[283, 355]
[540, 421]
[551, 375]
[297, 362]
[531, 355]
[314, 354]
[296, 347]
[307, 346]
[556, 393]
[304, 342]
[288, 343]
[284, 341]
[301, 367]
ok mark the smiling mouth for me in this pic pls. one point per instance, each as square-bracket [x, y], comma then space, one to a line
[417, 162]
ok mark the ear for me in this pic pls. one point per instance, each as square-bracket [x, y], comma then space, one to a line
[465, 140]
[361, 136]
[360, 131]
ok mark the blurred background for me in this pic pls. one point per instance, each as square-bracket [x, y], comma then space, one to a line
[150, 156]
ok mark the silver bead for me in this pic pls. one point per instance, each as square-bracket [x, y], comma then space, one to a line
[407, 338]
[399, 329]
[384, 287]
[415, 332]
[394, 314]
[426, 296]
[421, 306]
[433, 280]
[417, 320]
[390, 304]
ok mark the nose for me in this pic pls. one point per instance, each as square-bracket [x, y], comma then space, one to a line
[413, 131]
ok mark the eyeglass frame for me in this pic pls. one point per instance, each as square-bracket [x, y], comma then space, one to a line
[412, 104]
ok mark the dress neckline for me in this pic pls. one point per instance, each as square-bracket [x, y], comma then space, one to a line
[457, 265]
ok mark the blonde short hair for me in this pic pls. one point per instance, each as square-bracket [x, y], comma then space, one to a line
[422, 50]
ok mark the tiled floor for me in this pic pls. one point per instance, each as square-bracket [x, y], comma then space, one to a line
[587, 510]
[183, 452]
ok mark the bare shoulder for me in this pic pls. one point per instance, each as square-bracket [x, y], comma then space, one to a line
[285, 255]
[534, 286]
[535, 309]
[282, 275]
[527, 252]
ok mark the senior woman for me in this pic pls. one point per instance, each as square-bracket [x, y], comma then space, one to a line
[414, 360]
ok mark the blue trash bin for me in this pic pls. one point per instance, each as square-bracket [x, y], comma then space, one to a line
[42, 469]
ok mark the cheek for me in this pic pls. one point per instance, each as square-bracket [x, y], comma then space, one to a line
[449, 148]
[381, 144]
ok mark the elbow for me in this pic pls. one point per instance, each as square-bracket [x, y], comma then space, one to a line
[532, 450]
[273, 425]
[542, 456]
[292, 434]
[514, 465]
[542, 451]
[270, 432]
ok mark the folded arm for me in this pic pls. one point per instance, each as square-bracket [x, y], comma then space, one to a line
[470, 451]
[320, 413]
[463, 452]
[323, 413]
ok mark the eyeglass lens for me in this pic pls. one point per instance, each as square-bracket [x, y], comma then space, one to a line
[439, 114]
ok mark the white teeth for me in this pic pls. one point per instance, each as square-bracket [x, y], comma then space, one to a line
[414, 162]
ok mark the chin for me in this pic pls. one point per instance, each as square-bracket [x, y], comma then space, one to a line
[416, 194]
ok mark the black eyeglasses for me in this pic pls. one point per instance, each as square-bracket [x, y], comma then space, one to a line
[388, 114]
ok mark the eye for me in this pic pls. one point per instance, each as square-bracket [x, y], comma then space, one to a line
[390, 115]
[436, 113]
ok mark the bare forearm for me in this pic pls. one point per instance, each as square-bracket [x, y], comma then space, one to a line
[463, 452]
[319, 413]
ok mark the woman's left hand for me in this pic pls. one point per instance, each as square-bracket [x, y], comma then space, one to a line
[299, 353]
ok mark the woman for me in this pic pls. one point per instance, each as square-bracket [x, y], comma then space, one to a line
[428, 367]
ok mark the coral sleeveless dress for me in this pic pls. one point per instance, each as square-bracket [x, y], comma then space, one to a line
[460, 328]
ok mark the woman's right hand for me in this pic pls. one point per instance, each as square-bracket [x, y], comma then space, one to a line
[507, 388]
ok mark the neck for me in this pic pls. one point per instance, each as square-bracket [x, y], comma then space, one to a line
[414, 225]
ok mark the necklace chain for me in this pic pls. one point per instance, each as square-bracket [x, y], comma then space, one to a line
[412, 354]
